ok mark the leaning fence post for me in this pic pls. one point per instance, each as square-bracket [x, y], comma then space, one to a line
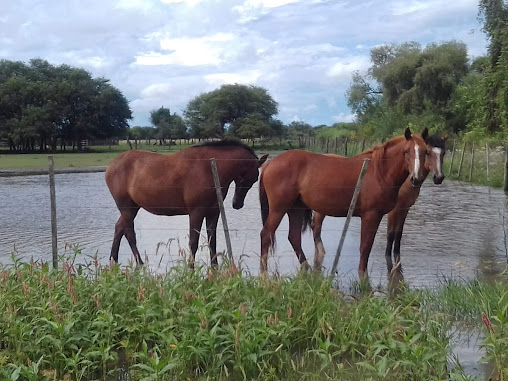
[453, 155]
[461, 160]
[505, 188]
[472, 163]
[487, 151]
[350, 211]
[52, 196]
[221, 206]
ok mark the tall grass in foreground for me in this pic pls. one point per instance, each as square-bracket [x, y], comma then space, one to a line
[214, 325]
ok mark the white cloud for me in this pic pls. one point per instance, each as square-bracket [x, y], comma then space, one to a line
[344, 118]
[344, 69]
[246, 77]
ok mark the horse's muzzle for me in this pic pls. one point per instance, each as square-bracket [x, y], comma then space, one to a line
[416, 183]
[237, 204]
[437, 179]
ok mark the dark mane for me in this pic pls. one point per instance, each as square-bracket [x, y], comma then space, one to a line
[227, 143]
[436, 141]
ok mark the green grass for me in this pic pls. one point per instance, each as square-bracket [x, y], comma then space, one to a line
[99, 155]
[87, 322]
[479, 173]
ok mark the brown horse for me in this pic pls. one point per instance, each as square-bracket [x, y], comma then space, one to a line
[436, 148]
[297, 182]
[406, 198]
[179, 184]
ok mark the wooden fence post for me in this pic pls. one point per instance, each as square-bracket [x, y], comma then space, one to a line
[216, 180]
[487, 151]
[52, 195]
[350, 211]
[453, 155]
[461, 160]
[505, 187]
[345, 147]
[472, 163]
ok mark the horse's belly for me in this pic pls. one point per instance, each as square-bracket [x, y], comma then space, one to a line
[166, 211]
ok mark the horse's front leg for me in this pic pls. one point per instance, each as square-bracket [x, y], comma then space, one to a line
[211, 230]
[319, 255]
[370, 224]
[195, 222]
[398, 236]
[390, 237]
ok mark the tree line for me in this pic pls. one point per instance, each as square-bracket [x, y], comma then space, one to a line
[43, 105]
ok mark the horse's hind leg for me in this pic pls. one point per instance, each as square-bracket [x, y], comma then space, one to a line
[268, 236]
[211, 230]
[295, 234]
[319, 255]
[125, 227]
[195, 222]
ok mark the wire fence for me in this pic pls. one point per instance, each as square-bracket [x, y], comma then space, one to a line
[92, 198]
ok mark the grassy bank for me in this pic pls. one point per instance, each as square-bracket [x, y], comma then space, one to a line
[225, 325]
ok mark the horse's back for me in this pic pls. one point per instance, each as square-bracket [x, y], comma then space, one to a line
[144, 178]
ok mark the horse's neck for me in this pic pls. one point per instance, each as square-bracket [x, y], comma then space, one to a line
[230, 161]
[391, 168]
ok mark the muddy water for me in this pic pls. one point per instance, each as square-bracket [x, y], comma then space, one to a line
[453, 230]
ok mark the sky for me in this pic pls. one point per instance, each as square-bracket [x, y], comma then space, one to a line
[166, 52]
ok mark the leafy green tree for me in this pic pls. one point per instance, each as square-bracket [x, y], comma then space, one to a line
[495, 17]
[253, 126]
[169, 126]
[227, 108]
[41, 103]
[406, 83]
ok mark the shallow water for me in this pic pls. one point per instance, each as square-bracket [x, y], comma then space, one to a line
[453, 230]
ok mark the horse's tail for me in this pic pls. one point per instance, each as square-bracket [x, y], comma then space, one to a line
[263, 200]
[307, 219]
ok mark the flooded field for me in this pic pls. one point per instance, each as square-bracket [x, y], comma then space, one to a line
[454, 230]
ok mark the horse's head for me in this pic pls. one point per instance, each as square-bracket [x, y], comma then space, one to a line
[415, 153]
[436, 149]
[245, 180]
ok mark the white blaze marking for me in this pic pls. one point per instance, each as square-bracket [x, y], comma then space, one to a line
[417, 162]
[437, 151]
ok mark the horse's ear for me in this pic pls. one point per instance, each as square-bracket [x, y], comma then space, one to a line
[425, 134]
[262, 160]
[445, 138]
[407, 133]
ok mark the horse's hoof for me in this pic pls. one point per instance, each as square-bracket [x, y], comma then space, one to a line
[305, 266]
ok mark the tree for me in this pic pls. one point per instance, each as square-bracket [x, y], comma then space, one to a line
[227, 108]
[405, 81]
[495, 16]
[299, 130]
[41, 103]
[253, 126]
[168, 126]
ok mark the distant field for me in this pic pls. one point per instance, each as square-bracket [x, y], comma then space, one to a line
[96, 157]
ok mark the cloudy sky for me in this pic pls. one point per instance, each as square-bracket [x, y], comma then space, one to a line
[165, 52]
